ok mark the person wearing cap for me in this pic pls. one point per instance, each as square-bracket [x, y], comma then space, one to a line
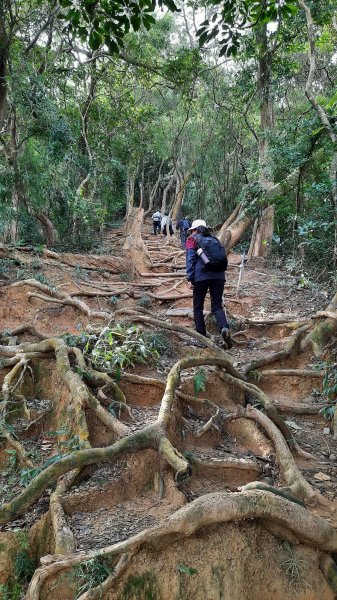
[201, 280]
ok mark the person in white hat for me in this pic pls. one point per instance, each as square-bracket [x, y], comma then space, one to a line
[206, 263]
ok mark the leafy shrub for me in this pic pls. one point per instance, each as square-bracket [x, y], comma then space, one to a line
[115, 349]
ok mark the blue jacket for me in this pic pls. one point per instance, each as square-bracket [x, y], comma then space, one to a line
[194, 264]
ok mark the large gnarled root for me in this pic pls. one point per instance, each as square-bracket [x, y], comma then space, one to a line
[324, 331]
[268, 405]
[205, 511]
[290, 473]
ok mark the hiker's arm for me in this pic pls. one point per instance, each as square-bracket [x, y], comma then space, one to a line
[191, 258]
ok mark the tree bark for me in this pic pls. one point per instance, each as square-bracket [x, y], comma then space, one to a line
[48, 228]
[262, 236]
[134, 244]
[3, 69]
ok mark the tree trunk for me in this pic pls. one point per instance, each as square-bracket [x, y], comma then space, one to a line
[154, 191]
[48, 228]
[3, 70]
[262, 234]
[232, 234]
[164, 200]
[263, 228]
[131, 195]
[134, 243]
[180, 195]
[230, 219]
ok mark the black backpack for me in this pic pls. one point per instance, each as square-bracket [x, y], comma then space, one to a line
[214, 251]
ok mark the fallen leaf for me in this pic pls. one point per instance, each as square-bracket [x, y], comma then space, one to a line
[322, 477]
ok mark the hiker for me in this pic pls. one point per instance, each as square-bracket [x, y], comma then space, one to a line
[206, 263]
[183, 226]
[166, 223]
[156, 218]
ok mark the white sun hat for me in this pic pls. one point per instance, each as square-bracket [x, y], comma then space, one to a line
[197, 223]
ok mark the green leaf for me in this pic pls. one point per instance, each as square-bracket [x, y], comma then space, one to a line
[199, 381]
[95, 40]
[187, 570]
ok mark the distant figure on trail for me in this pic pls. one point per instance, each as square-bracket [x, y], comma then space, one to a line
[183, 226]
[166, 224]
[156, 218]
[206, 263]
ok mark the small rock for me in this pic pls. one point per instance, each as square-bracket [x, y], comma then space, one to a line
[326, 431]
[332, 457]
[322, 477]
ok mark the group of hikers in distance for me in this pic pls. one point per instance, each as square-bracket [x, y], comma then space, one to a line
[206, 264]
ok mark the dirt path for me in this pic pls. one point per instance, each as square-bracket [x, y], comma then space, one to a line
[111, 501]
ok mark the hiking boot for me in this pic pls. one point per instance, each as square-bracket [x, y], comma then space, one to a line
[226, 336]
[196, 344]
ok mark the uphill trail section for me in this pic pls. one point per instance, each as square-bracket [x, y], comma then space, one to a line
[140, 460]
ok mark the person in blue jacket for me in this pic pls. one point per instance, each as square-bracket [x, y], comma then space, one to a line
[201, 280]
[183, 226]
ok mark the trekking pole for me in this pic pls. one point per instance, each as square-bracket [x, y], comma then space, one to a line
[242, 266]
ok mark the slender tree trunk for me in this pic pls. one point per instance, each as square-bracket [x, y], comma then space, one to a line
[177, 203]
[322, 115]
[165, 192]
[3, 70]
[154, 191]
[264, 228]
[262, 234]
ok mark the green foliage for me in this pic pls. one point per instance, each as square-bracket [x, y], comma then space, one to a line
[91, 574]
[199, 380]
[119, 348]
[293, 566]
[187, 570]
[24, 567]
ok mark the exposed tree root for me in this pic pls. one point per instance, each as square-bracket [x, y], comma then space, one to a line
[239, 464]
[64, 539]
[291, 373]
[291, 474]
[268, 405]
[329, 569]
[261, 485]
[324, 331]
[205, 511]
[291, 348]
[98, 591]
[59, 297]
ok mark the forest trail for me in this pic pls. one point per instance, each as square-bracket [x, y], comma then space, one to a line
[115, 499]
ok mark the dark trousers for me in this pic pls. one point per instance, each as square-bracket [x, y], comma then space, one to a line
[183, 238]
[170, 230]
[216, 288]
[156, 227]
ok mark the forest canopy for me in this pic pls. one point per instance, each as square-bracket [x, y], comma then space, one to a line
[193, 107]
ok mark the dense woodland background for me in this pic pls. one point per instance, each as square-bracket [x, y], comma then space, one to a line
[85, 134]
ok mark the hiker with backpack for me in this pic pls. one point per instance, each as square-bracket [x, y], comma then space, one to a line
[206, 263]
[156, 218]
[183, 226]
